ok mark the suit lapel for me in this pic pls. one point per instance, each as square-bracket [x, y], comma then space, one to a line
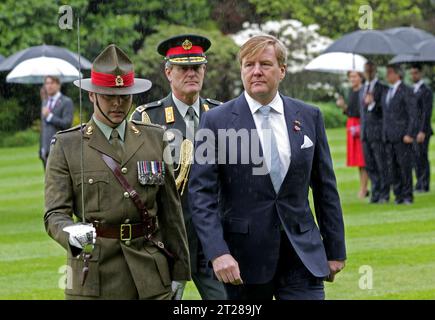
[291, 111]
[396, 96]
[242, 119]
[178, 123]
[132, 142]
[241, 115]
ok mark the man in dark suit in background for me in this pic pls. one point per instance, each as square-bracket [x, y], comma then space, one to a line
[399, 131]
[421, 146]
[179, 113]
[371, 135]
[266, 242]
[56, 115]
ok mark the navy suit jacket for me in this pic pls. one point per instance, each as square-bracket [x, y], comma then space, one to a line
[63, 113]
[425, 104]
[371, 121]
[244, 219]
[400, 116]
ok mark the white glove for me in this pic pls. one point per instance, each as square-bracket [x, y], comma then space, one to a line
[81, 235]
[178, 289]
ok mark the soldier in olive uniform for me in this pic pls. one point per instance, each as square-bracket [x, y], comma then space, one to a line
[134, 222]
[179, 113]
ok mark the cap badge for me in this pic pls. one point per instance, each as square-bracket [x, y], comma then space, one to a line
[187, 45]
[119, 81]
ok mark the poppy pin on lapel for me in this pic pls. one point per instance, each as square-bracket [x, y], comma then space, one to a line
[297, 126]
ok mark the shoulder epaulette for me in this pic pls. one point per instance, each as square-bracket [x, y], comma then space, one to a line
[152, 104]
[140, 109]
[140, 123]
[215, 102]
[75, 128]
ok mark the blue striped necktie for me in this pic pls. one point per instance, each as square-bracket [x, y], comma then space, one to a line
[270, 150]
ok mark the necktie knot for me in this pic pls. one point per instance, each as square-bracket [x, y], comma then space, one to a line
[114, 134]
[265, 111]
[191, 112]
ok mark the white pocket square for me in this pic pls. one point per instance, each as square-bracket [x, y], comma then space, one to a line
[307, 143]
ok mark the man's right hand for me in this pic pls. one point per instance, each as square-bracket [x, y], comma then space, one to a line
[421, 136]
[227, 269]
[81, 235]
[368, 99]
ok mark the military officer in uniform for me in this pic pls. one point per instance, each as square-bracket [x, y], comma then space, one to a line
[179, 113]
[132, 244]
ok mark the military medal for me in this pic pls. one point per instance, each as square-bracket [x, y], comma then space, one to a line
[206, 107]
[151, 172]
[169, 114]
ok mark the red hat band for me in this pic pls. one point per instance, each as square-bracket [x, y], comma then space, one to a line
[110, 80]
[180, 50]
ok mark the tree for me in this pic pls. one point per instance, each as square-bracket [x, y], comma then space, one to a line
[336, 17]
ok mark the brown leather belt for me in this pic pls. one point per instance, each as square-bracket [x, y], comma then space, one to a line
[125, 231]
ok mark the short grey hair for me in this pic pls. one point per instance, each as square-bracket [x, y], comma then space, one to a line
[168, 64]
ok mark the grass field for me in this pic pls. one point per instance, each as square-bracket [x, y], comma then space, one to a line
[397, 242]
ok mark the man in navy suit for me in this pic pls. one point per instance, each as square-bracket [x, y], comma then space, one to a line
[56, 114]
[256, 225]
[399, 131]
[424, 97]
[371, 134]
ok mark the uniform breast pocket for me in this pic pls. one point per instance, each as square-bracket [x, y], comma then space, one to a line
[96, 190]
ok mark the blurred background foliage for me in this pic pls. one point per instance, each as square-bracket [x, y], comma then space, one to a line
[138, 26]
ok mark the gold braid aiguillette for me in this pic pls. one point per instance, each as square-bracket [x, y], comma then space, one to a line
[186, 157]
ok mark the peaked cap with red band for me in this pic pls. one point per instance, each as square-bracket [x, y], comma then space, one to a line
[185, 49]
[113, 74]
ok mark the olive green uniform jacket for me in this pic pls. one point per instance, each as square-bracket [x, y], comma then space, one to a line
[117, 269]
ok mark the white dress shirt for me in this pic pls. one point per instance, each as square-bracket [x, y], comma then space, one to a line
[278, 124]
[53, 103]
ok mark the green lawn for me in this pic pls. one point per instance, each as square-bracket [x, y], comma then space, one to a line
[397, 242]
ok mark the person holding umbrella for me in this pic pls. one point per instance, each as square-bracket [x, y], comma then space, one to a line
[421, 146]
[56, 115]
[371, 134]
[355, 157]
[399, 131]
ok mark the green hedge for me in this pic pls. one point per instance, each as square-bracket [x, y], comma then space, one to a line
[19, 139]
[332, 115]
[9, 115]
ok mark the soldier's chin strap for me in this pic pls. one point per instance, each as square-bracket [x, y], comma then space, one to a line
[106, 116]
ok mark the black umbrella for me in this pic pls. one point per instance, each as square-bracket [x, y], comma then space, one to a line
[409, 34]
[426, 50]
[370, 42]
[44, 51]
